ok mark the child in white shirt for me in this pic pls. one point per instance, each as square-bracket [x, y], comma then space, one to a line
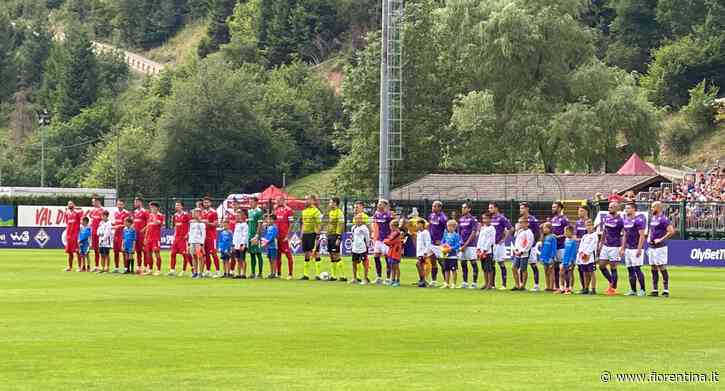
[197, 235]
[484, 249]
[522, 246]
[424, 250]
[105, 241]
[585, 257]
[240, 241]
[360, 240]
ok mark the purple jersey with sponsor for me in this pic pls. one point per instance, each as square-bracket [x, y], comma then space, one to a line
[382, 220]
[612, 226]
[467, 226]
[632, 226]
[658, 224]
[580, 228]
[437, 226]
[500, 223]
[558, 224]
[534, 226]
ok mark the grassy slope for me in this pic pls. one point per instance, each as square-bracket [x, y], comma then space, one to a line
[320, 183]
[704, 151]
[79, 331]
[182, 44]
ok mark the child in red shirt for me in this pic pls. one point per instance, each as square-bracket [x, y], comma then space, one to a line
[394, 241]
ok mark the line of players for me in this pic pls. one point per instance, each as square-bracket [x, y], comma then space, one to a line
[556, 244]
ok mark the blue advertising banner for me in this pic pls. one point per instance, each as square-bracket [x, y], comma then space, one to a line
[707, 253]
[7, 216]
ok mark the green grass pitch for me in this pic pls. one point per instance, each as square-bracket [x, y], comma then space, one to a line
[82, 331]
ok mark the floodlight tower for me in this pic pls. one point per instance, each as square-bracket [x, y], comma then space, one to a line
[391, 93]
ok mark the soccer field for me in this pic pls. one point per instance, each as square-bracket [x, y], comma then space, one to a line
[83, 331]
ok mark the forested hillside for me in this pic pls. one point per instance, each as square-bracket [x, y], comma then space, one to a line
[494, 86]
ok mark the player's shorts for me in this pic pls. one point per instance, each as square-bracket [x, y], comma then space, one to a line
[104, 250]
[587, 267]
[226, 256]
[95, 241]
[567, 264]
[468, 254]
[450, 264]
[521, 263]
[309, 240]
[179, 247]
[71, 246]
[380, 248]
[196, 249]
[332, 245]
[631, 258]
[657, 256]
[139, 243]
[393, 261]
[272, 253]
[283, 245]
[610, 254]
[240, 255]
[118, 243]
[581, 261]
[487, 263]
[499, 252]
[83, 249]
[210, 246]
[358, 257]
[559, 257]
[152, 245]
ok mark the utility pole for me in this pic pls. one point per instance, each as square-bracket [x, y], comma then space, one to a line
[118, 158]
[43, 121]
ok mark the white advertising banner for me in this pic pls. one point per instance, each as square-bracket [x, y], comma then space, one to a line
[46, 216]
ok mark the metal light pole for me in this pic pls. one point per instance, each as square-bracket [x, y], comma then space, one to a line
[118, 158]
[384, 162]
[43, 121]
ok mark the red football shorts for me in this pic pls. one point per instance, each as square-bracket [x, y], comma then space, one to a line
[283, 245]
[152, 245]
[71, 245]
[139, 243]
[179, 247]
[118, 243]
[210, 246]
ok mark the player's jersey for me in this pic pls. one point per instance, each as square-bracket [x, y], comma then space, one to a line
[96, 217]
[73, 223]
[467, 227]
[534, 227]
[311, 220]
[658, 224]
[153, 232]
[140, 219]
[632, 226]
[500, 223]
[282, 219]
[437, 226]
[612, 226]
[558, 224]
[254, 217]
[580, 228]
[211, 217]
[181, 226]
[382, 222]
[336, 222]
[119, 219]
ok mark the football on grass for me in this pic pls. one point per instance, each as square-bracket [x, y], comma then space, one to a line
[325, 276]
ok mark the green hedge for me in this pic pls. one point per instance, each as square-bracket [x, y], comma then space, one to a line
[45, 200]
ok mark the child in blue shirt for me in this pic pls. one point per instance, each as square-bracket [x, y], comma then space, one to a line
[129, 243]
[84, 236]
[224, 245]
[567, 265]
[450, 247]
[547, 254]
[269, 242]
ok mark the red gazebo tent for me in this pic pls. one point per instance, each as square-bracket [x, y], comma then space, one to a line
[636, 166]
[271, 193]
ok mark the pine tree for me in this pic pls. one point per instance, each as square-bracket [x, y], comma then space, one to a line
[77, 86]
[218, 31]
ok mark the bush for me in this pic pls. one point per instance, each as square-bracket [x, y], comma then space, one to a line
[678, 134]
[700, 111]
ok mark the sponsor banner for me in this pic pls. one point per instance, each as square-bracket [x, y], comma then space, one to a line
[7, 216]
[709, 253]
[46, 216]
[32, 237]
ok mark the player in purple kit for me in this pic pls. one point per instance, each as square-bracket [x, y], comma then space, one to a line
[437, 227]
[660, 229]
[503, 229]
[610, 248]
[634, 236]
[381, 230]
[468, 230]
[524, 211]
[558, 224]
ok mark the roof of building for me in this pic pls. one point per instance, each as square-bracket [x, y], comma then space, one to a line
[636, 166]
[499, 187]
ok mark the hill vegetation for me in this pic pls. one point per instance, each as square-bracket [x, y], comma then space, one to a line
[258, 89]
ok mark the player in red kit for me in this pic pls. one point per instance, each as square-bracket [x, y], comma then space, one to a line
[210, 219]
[283, 216]
[181, 238]
[152, 241]
[72, 227]
[96, 216]
[140, 218]
[119, 219]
